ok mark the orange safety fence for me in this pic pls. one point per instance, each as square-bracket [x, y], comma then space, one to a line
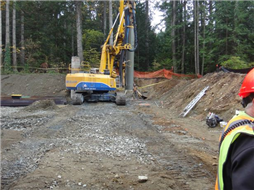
[163, 73]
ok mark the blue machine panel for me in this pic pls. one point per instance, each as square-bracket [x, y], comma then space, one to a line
[92, 86]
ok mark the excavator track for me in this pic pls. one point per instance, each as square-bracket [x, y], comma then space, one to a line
[120, 100]
[76, 98]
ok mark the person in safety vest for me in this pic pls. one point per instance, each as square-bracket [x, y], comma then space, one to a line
[236, 150]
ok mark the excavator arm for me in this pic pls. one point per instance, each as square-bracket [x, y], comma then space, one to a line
[110, 52]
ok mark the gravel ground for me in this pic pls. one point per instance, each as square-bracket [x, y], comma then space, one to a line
[98, 146]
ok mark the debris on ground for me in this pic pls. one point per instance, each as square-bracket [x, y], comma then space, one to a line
[212, 120]
[142, 179]
[41, 104]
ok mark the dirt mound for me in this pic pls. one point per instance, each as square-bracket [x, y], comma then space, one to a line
[33, 84]
[155, 88]
[41, 105]
[221, 97]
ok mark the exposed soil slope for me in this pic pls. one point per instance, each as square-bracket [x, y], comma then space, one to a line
[221, 97]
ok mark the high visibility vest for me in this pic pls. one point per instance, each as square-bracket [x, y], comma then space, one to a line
[240, 124]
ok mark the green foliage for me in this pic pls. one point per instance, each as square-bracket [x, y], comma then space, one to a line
[7, 60]
[92, 56]
[251, 64]
[93, 40]
[228, 32]
[146, 51]
[49, 27]
[34, 54]
[50, 33]
[234, 63]
[26, 68]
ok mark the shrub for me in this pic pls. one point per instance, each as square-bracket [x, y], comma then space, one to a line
[7, 60]
[235, 63]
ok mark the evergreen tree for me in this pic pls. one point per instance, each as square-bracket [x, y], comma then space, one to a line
[7, 59]
[145, 35]
[224, 29]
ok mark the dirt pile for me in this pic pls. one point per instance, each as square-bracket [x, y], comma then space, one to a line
[41, 105]
[221, 97]
[33, 84]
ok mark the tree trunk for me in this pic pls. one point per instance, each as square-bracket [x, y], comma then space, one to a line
[79, 30]
[110, 22]
[184, 35]
[7, 28]
[22, 42]
[226, 47]
[173, 35]
[236, 46]
[105, 19]
[196, 37]
[147, 37]
[210, 12]
[14, 52]
[73, 39]
[7, 57]
[1, 34]
[203, 25]
[198, 67]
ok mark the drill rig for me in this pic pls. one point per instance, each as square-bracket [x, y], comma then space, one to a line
[101, 84]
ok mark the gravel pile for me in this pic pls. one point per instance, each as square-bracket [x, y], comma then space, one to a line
[41, 105]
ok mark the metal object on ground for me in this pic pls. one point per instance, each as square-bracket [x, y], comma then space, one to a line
[193, 102]
[16, 96]
[9, 101]
[212, 120]
[120, 99]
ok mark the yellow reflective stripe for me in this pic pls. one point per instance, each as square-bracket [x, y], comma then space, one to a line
[233, 140]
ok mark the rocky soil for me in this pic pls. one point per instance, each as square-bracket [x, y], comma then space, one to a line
[104, 146]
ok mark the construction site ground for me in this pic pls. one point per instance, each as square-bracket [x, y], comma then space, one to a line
[143, 145]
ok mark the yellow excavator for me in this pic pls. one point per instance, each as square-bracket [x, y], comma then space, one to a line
[101, 84]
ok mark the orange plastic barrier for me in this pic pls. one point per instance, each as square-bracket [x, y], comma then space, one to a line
[163, 73]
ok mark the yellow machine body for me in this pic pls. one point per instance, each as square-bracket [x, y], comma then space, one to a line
[87, 82]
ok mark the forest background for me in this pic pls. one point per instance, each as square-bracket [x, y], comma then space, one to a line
[196, 35]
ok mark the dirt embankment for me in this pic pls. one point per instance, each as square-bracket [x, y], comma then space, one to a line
[33, 84]
[221, 97]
